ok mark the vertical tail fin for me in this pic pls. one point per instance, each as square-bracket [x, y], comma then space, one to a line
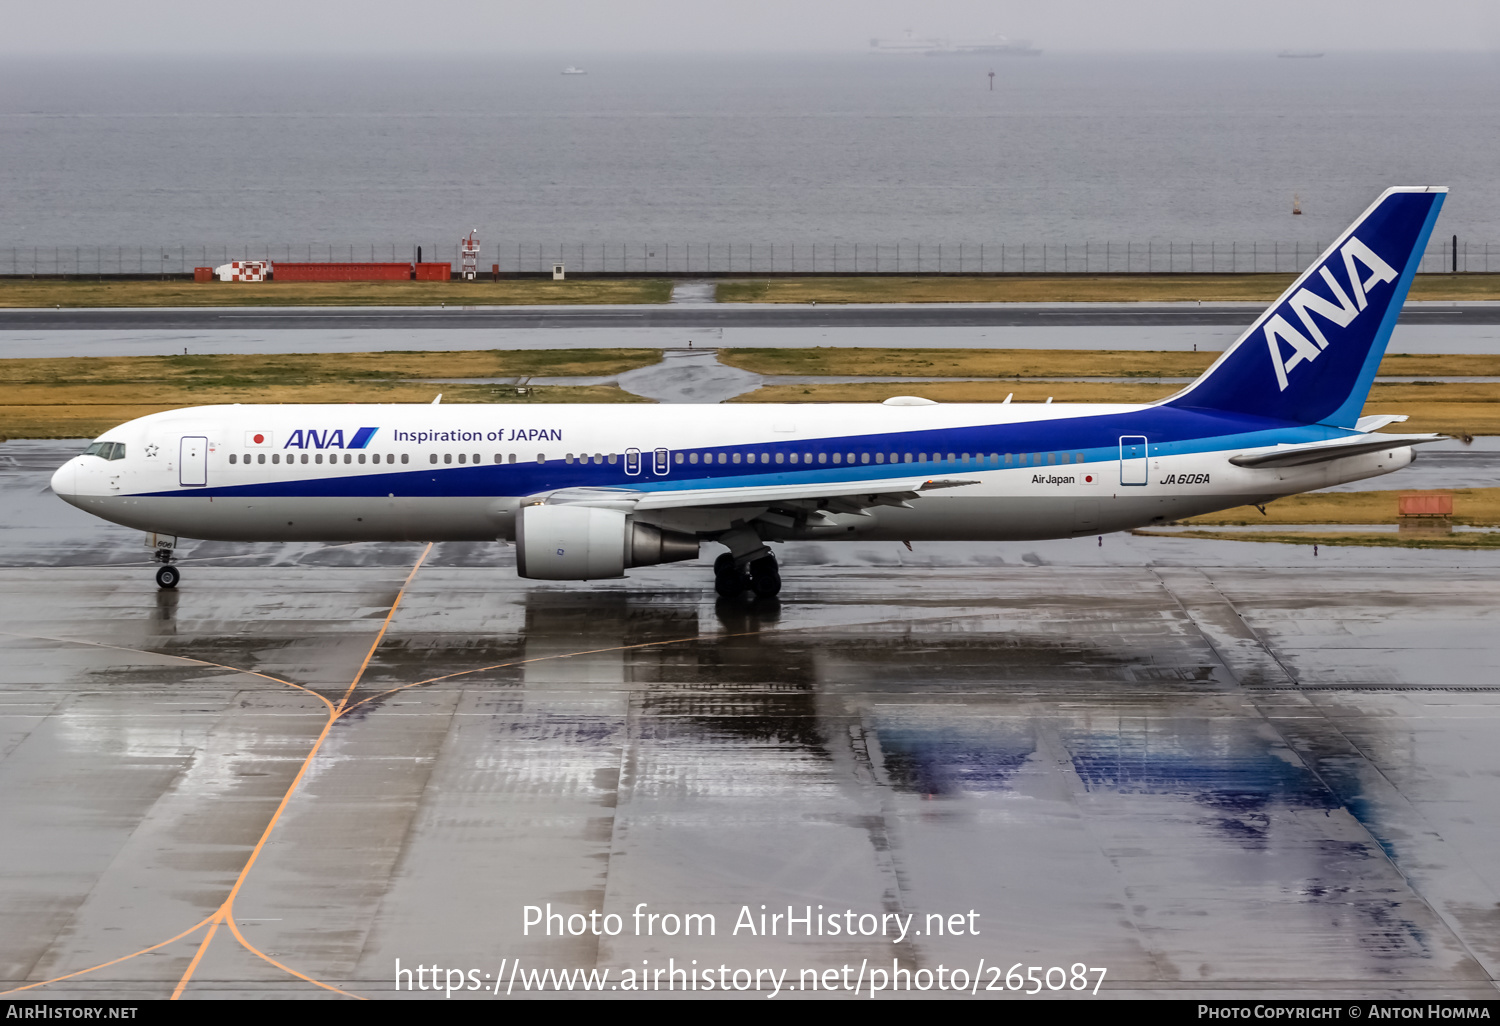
[1311, 357]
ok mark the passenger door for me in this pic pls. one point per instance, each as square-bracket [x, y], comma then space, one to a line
[1132, 459]
[192, 461]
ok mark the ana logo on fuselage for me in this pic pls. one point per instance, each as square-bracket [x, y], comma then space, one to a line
[1305, 303]
[311, 438]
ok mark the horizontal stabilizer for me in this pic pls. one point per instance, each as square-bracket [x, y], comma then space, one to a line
[1322, 452]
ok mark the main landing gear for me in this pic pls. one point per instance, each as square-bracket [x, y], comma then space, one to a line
[759, 576]
[747, 568]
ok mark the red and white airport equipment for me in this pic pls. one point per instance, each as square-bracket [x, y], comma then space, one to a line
[244, 270]
[468, 251]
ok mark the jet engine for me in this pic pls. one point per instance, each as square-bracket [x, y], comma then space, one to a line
[588, 543]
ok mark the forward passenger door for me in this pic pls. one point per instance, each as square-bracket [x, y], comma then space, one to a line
[192, 461]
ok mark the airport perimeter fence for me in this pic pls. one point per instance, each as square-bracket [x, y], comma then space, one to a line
[722, 259]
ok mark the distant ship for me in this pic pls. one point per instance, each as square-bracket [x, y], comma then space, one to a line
[910, 45]
[570, 70]
[1301, 53]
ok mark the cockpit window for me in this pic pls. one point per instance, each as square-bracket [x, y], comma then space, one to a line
[106, 450]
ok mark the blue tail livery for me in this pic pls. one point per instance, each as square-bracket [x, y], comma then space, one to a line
[1311, 358]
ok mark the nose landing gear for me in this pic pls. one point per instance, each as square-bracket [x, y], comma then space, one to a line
[161, 546]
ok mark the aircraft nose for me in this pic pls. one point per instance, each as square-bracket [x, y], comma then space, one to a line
[64, 480]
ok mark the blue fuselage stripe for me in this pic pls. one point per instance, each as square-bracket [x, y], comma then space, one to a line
[1170, 432]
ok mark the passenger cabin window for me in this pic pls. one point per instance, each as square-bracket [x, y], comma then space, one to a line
[233, 458]
[404, 457]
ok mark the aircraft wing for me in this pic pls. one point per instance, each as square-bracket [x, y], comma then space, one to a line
[1322, 452]
[835, 496]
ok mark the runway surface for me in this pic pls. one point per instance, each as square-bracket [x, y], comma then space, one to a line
[1420, 339]
[692, 315]
[1213, 769]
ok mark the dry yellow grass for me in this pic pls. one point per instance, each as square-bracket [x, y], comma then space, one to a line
[1038, 363]
[981, 363]
[1456, 418]
[1456, 409]
[1069, 288]
[85, 420]
[960, 392]
[524, 292]
[1478, 507]
[1385, 540]
[236, 370]
[80, 397]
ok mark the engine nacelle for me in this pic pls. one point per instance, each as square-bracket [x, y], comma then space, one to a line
[588, 543]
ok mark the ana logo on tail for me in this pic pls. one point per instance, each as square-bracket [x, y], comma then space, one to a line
[1305, 303]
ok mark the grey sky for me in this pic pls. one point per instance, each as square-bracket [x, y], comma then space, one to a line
[583, 26]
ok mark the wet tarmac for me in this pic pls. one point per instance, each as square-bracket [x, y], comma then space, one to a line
[689, 310]
[1213, 769]
[1425, 328]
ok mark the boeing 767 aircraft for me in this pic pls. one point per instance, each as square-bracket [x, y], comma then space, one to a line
[587, 492]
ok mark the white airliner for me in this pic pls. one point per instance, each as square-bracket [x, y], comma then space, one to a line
[586, 492]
